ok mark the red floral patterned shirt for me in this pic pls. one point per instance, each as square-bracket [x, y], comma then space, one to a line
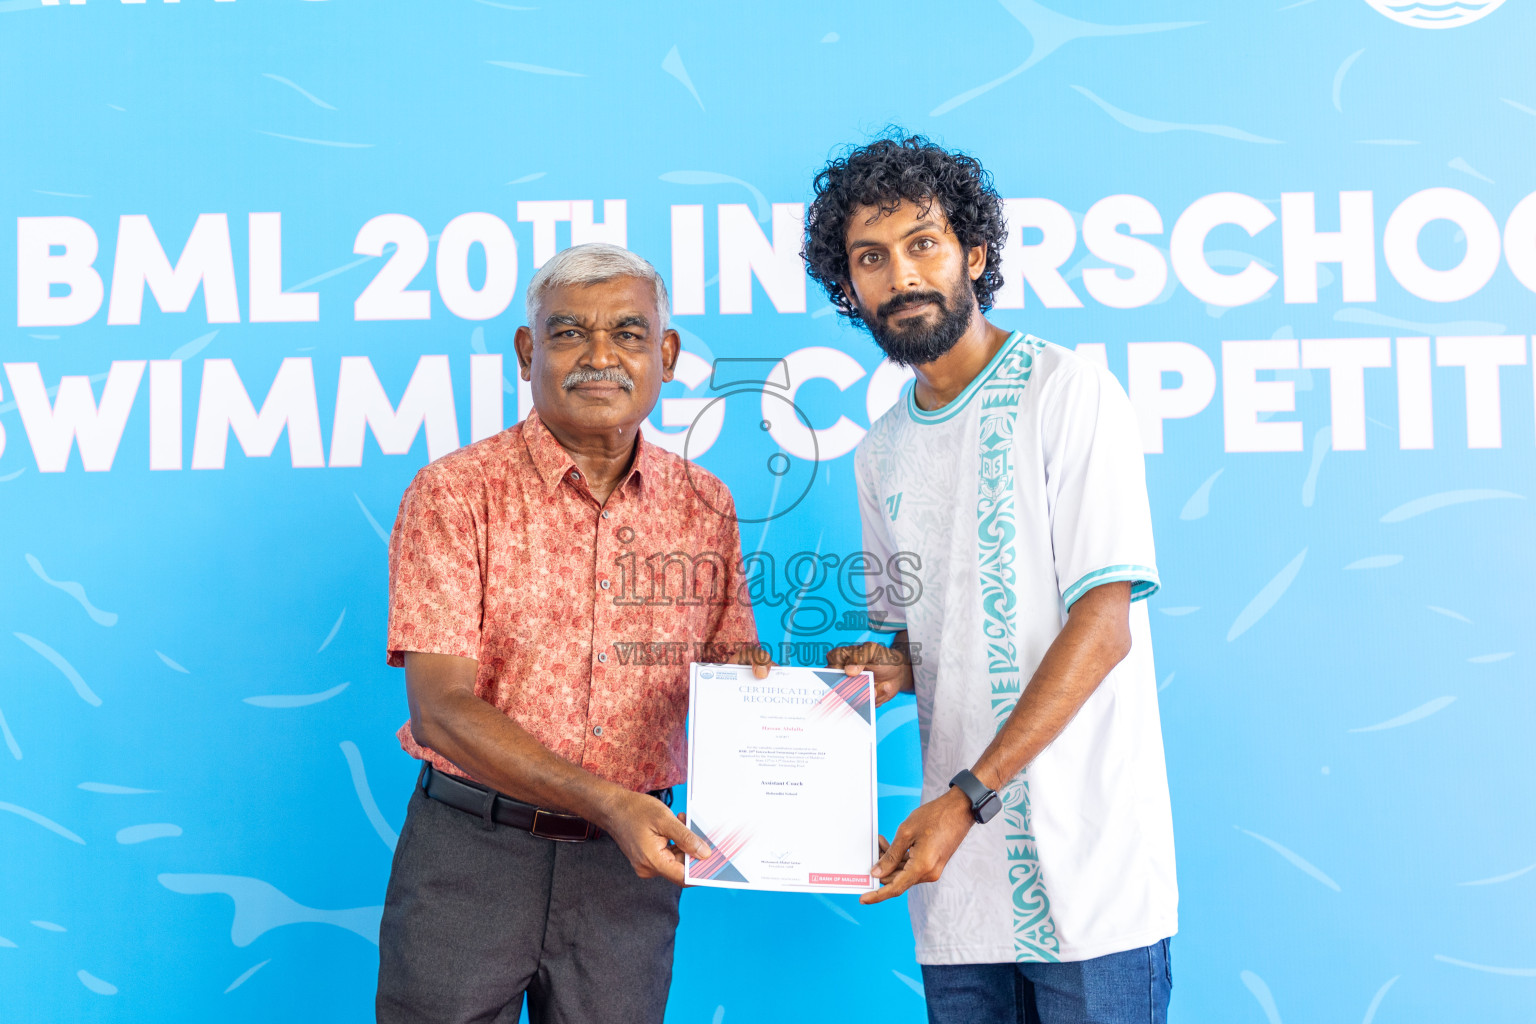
[584, 618]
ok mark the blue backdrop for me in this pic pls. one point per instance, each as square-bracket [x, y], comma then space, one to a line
[200, 786]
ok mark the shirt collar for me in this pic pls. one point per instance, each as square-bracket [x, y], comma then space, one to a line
[553, 463]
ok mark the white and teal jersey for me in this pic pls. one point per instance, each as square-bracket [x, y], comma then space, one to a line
[1018, 497]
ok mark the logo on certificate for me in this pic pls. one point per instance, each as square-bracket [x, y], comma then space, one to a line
[830, 878]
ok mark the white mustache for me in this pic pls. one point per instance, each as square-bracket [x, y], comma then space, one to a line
[614, 376]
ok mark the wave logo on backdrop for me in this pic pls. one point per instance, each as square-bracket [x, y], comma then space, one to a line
[1431, 15]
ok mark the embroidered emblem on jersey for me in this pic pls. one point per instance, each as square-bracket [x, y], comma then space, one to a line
[893, 505]
[1034, 931]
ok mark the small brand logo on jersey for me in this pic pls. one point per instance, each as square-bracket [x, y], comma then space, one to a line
[994, 465]
[706, 674]
[893, 505]
[1435, 15]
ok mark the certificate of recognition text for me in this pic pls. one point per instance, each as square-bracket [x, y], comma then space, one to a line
[781, 779]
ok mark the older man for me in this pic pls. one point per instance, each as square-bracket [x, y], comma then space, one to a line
[539, 854]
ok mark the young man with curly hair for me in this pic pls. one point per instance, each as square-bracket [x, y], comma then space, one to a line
[1040, 864]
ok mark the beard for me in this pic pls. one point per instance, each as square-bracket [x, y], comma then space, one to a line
[921, 339]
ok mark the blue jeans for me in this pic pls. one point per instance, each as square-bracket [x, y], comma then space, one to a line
[1122, 988]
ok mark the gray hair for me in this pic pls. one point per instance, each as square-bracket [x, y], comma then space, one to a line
[593, 263]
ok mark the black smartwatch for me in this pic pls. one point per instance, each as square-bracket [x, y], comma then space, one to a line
[984, 802]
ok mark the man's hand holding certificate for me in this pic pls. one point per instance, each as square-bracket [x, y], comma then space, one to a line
[781, 779]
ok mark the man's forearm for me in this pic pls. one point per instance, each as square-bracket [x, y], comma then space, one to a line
[448, 717]
[1095, 639]
[503, 755]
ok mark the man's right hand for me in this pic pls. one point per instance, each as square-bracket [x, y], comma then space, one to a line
[651, 836]
[888, 665]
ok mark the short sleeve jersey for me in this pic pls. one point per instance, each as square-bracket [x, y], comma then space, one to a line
[1015, 499]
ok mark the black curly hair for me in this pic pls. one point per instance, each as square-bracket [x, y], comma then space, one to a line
[883, 173]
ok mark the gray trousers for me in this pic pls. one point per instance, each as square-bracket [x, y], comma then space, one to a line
[474, 918]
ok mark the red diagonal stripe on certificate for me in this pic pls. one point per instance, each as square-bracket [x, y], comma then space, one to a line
[854, 690]
[851, 693]
[728, 845]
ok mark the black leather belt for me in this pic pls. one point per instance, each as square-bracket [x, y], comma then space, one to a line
[496, 808]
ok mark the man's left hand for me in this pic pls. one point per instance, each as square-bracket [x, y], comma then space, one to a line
[922, 846]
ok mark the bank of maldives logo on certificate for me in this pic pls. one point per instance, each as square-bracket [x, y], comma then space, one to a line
[781, 779]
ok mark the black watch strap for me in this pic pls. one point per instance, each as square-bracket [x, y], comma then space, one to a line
[984, 802]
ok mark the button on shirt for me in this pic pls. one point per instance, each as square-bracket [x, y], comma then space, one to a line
[583, 618]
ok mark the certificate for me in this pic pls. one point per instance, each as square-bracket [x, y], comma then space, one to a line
[781, 779]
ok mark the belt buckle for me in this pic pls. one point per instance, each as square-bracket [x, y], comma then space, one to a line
[534, 829]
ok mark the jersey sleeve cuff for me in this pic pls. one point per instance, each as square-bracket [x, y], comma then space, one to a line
[886, 625]
[1143, 580]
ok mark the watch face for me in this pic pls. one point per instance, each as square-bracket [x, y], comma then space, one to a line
[988, 808]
